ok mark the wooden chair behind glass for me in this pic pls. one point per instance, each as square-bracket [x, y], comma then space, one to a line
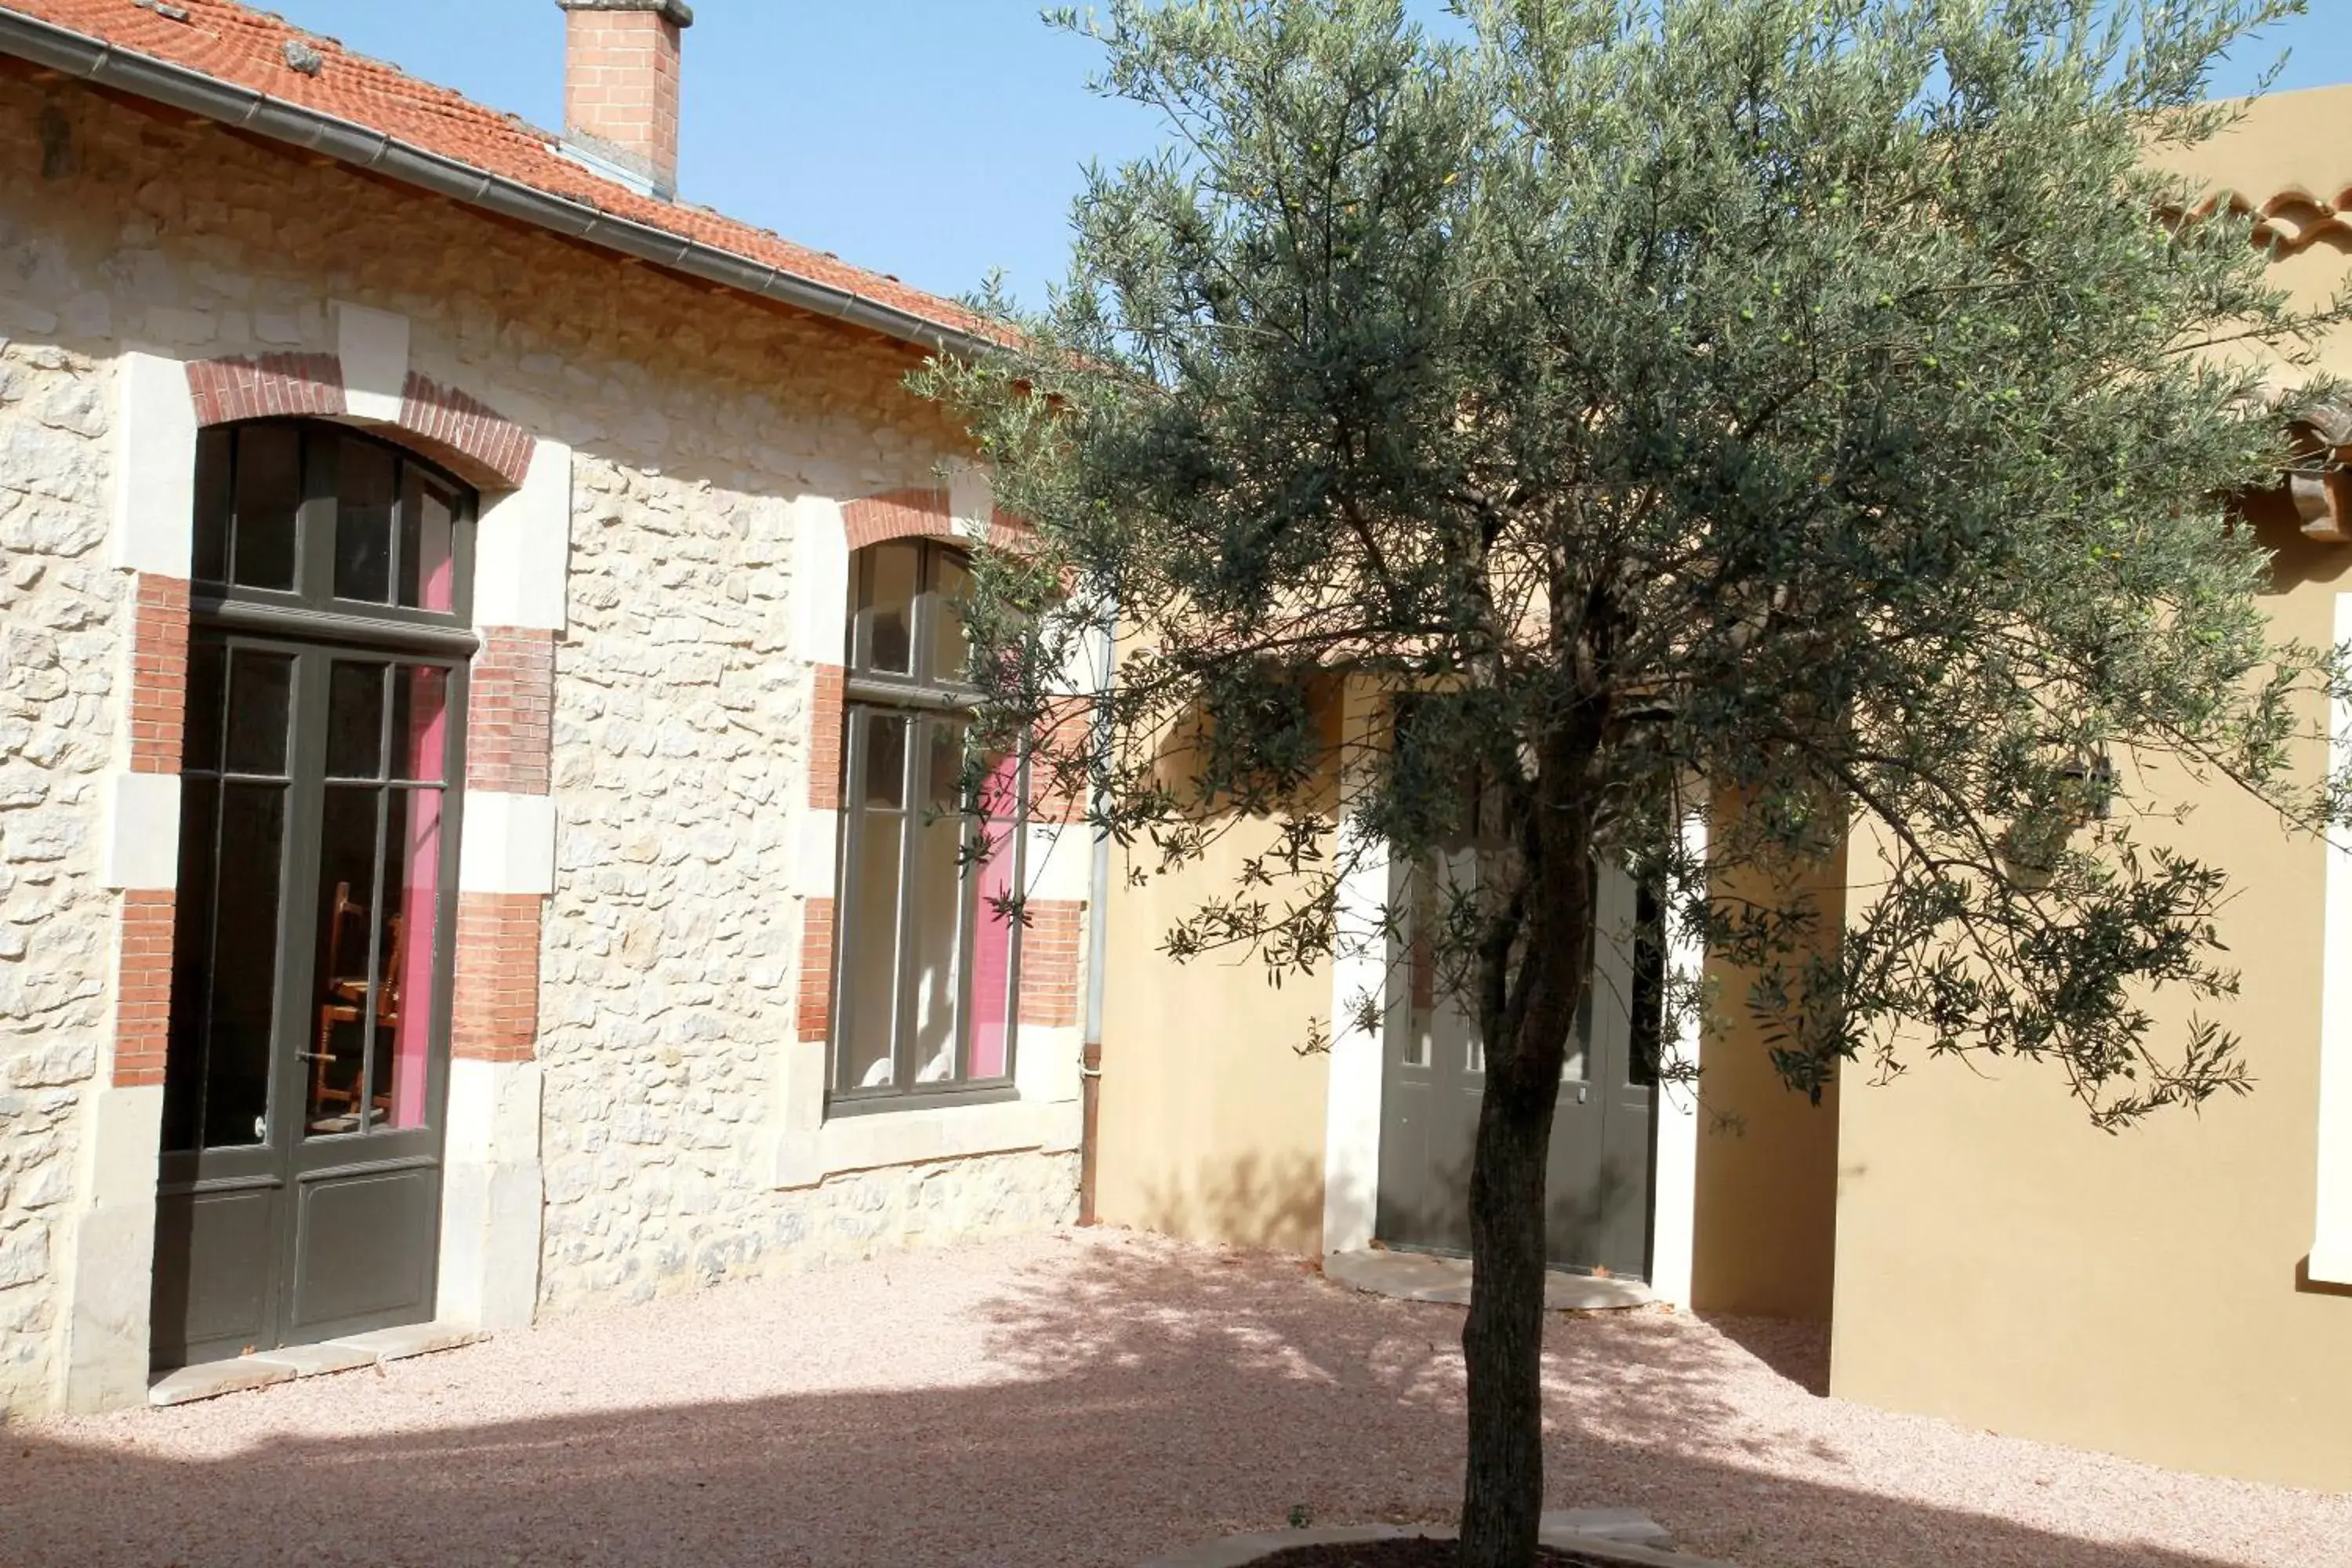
[346, 1004]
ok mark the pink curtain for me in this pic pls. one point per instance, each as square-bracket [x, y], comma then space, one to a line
[992, 948]
[421, 898]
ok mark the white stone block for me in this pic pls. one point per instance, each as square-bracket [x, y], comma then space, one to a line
[125, 1130]
[493, 1110]
[971, 500]
[524, 546]
[154, 466]
[374, 348]
[114, 1251]
[143, 831]
[492, 1192]
[821, 557]
[509, 845]
[814, 864]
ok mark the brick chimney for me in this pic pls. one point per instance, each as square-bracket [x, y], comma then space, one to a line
[620, 85]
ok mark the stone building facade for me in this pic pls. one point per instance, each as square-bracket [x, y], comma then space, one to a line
[671, 478]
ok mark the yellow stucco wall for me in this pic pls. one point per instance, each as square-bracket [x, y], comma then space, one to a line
[1212, 1119]
[1764, 1224]
[1212, 1122]
[2002, 1263]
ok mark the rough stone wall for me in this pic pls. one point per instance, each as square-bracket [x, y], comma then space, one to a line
[671, 941]
[60, 607]
[667, 973]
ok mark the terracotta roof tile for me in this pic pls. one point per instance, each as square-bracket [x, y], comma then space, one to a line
[246, 47]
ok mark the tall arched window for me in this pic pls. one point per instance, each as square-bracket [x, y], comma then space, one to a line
[314, 922]
[928, 971]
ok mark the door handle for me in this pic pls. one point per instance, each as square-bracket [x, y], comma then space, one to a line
[1584, 1091]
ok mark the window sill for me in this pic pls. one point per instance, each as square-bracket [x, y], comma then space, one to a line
[914, 1132]
[871, 1103]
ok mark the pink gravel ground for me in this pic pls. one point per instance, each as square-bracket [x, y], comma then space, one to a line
[1071, 1399]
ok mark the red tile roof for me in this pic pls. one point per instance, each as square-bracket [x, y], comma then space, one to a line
[244, 48]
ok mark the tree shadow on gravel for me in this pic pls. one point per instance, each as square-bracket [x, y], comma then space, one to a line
[1151, 1395]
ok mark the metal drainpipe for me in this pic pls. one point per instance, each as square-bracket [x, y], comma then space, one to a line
[1097, 949]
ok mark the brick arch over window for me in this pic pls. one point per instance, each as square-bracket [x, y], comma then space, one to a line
[464, 434]
[915, 513]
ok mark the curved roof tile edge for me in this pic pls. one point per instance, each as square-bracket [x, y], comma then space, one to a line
[2293, 217]
[137, 56]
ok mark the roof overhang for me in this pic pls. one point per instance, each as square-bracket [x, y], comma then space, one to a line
[104, 64]
[2320, 484]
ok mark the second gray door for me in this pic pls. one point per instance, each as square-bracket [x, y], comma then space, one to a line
[1597, 1210]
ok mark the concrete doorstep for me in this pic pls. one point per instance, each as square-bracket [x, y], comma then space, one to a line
[1428, 1277]
[212, 1379]
[1615, 1535]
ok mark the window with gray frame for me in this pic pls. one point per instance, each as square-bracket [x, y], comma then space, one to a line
[926, 974]
[321, 790]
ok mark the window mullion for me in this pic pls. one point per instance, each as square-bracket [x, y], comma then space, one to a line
[846, 911]
[316, 521]
[903, 972]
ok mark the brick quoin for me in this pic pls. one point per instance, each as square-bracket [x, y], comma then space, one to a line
[1049, 962]
[496, 1014]
[158, 723]
[159, 672]
[510, 714]
[815, 1010]
[827, 714]
[142, 1000]
[509, 748]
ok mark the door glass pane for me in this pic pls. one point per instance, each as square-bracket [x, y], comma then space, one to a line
[995, 935]
[261, 687]
[420, 720]
[207, 680]
[191, 966]
[406, 939]
[268, 494]
[1649, 990]
[427, 568]
[1421, 962]
[886, 761]
[214, 500]
[951, 585]
[870, 953]
[347, 1001]
[364, 484]
[242, 1004]
[1577, 1067]
[934, 944]
[355, 720]
[886, 606]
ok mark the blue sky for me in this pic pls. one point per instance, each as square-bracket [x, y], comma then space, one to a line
[928, 138]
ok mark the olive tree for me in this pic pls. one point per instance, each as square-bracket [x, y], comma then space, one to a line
[1816, 417]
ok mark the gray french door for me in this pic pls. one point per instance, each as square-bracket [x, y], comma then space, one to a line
[308, 1062]
[1604, 1128]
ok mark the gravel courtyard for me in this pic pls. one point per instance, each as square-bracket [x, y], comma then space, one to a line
[1087, 1399]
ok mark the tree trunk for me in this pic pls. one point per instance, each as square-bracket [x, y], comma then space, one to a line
[1502, 1339]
